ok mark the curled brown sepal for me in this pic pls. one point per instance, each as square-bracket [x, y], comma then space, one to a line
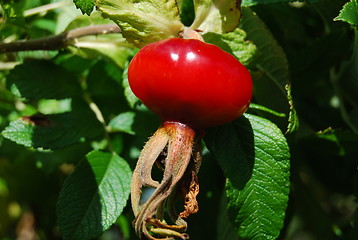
[175, 148]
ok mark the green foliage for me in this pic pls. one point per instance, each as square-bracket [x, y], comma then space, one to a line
[141, 122]
[258, 173]
[265, 109]
[50, 82]
[349, 13]
[131, 98]
[218, 16]
[271, 66]
[112, 46]
[264, 176]
[123, 122]
[93, 196]
[235, 43]
[13, 9]
[187, 13]
[86, 6]
[56, 130]
[143, 22]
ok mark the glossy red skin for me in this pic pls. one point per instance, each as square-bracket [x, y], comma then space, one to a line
[191, 82]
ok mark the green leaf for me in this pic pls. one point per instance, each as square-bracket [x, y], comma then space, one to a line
[273, 75]
[51, 106]
[123, 122]
[104, 79]
[265, 109]
[86, 6]
[84, 21]
[55, 131]
[349, 13]
[143, 22]
[93, 196]
[229, 149]
[131, 98]
[75, 64]
[44, 24]
[134, 123]
[257, 166]
[234, 43]
[272, 61]
[219, 16]
[13, 10]
[187, 14]
[37, 79]
[225, 229]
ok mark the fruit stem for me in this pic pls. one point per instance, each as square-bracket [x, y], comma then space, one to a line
[188, 33]
[181, 146]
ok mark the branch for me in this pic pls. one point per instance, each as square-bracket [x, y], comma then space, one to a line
[59, 41]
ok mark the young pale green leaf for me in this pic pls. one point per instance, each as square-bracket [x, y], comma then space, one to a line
[37, 79]
[55, 131]
[255, 157]
[219, 16]
[143, 22]
[86, 6]
[349, 13]
[234, 43]
[93, 196]
[273, 75]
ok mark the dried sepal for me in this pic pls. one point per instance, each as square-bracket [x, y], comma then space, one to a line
[176, 149]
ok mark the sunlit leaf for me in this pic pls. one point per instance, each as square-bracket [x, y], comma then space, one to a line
[236, 44]
[86, 6]
[56, 130]
[219, 16]
[143, 22]
[93, 196]
[255, 157]
[349, 13]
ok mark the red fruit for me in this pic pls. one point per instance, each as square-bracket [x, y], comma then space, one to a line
[191, 82]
